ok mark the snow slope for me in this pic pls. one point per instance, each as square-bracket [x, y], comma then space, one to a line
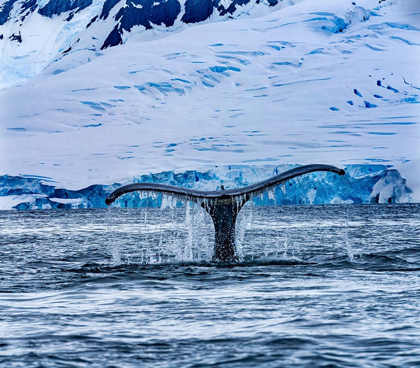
[321, 81]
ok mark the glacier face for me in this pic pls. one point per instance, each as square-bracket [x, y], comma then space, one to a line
[361, 184]
[314, 82]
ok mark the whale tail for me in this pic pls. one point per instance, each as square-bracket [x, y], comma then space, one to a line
[223, 206]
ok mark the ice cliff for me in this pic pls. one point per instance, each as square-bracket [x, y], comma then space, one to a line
[361, 184]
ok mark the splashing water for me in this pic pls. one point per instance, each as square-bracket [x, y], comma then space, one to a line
[114, 244]
[196, 246]
[178, 231]
[352, 253]
[182, 231]
[244, 220]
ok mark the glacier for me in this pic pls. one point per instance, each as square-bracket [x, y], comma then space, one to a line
[362, 184]
[293, 82]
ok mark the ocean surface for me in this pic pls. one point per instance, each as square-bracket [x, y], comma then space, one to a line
[317, 286]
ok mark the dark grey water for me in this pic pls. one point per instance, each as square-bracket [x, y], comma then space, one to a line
[318, 286]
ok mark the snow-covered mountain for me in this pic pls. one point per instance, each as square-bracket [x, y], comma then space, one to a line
[317, 81]
[35, 32]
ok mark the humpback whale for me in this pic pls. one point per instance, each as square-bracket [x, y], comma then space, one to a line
[223, 205]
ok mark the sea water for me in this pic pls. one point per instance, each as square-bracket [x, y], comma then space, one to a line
[316, 286]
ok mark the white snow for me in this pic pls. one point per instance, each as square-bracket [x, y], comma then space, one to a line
[251, 92]
[42, 39]
[411, 172]
[73, 201]
[8, 202]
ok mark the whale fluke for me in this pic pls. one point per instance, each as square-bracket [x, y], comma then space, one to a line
[224, 205]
